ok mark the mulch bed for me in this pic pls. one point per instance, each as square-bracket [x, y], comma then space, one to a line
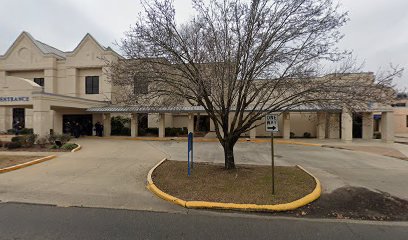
[8, 160]
[355, 203]
[246, 184]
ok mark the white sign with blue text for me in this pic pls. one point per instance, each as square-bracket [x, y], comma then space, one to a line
[271, 123]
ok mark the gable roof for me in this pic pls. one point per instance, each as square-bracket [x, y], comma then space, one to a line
[49, 50]
[44, 48]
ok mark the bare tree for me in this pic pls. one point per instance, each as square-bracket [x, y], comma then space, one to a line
[241, 60]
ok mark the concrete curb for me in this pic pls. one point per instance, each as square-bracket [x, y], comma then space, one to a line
[23, 165]
[315, 194]
[77, 148]
[184, 139]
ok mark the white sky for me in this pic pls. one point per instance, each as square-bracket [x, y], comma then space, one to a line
[377, 31]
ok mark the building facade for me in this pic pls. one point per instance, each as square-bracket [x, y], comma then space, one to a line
[44, 88]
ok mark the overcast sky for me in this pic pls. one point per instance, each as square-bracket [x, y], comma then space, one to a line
[377, 31]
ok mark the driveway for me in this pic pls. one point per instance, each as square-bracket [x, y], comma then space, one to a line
[112, 173]
[334, 167]
[104, 173]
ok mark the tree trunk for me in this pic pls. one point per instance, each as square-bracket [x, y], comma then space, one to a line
[229, 154]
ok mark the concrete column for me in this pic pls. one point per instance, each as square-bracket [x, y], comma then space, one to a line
[321, 125]
[387, 127]
[346, 126]
[107, 126]
[368, 125]
[3, 118]
[57, 122]
[134, 124]
[286, 125]
[42, 121]
[252, 133]
[50, 80]
[72, 89]
[162, 127]
[190, 124]
[212, 125]
[333, 126]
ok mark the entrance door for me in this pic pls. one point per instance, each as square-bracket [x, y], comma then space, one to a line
[84, 121]
[19, 117]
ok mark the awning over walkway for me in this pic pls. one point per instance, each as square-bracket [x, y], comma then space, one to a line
[187, 109]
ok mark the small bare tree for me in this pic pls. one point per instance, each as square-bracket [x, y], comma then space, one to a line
[241, 60]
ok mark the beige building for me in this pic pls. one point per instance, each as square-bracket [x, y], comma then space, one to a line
[401, 115]
[44, 88]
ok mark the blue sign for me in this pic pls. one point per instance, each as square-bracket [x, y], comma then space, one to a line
[14, 99]
[190, 153]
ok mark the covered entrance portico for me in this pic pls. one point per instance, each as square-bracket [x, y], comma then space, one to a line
[44, 111]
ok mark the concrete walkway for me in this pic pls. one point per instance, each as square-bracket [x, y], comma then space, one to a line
[104, 173]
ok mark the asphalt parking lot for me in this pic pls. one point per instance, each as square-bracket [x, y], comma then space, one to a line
[112, 173]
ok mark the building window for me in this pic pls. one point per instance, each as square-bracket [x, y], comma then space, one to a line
[92, 84]
[39, 81]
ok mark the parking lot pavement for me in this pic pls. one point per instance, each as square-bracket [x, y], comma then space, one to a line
[104, 173]
[334, 167]
[112, 173]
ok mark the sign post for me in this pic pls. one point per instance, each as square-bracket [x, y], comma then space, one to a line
[271, 124]
[190, 153]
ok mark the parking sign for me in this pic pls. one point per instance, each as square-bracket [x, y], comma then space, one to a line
[271, 123]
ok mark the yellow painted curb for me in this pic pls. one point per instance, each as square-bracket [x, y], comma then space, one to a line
[315, 194]
[23, 165]
[77, 148]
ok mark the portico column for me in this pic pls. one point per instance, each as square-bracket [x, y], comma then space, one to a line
[134, 124]
[190, 123]
[387, 127]
[162, 128]
[368, 125]
[286, 125]
[41, 117]
[333, 128]
[346, 126]
[107, 124]
[321, 125]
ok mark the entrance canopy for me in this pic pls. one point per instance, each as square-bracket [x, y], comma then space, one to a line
[187, 109]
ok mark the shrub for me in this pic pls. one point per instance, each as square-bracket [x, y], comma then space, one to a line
[119, 126]
[54, 147]
[125, 131]
[63, 138]
[30, 140]
[19, 139]
[26, 131]
[307, 135]
[11, 131]
[69, 146]
[42, 141]
[377, 135]
[13, 145]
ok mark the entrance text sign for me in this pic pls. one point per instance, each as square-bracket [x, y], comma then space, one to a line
[14, 99]
[271, 123]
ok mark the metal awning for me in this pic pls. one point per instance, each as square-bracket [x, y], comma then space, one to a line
[188, 109]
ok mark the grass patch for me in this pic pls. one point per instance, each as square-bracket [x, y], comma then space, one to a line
[11, 160]
[246, 184]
